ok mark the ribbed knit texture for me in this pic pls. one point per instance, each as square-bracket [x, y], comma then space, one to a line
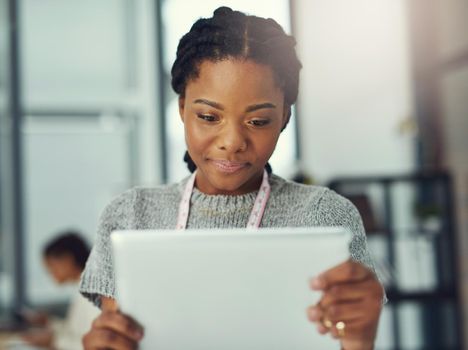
[290, 205]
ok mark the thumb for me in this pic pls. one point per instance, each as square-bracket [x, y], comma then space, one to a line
[109, 304]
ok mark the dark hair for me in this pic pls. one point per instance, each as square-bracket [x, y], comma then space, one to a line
[233, 34]
[68, 242]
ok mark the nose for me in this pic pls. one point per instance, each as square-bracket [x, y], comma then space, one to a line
[232, 138]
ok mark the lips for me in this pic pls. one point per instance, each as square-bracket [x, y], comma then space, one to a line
[228, 167]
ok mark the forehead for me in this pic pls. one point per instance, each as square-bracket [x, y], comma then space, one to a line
[57, 259]
[233, 79]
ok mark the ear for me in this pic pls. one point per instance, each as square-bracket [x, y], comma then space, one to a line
[181, 107]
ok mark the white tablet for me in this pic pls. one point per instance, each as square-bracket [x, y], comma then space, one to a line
[225, 289]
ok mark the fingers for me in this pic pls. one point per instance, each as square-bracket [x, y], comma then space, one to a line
[117, 322]
[315, 314]
[347, 316]
[342, 312]
[345, 312]
[349, 271]
[356, 291]
[351, 331]
[109, 304]
[350, 305]
[349, 301]
[322, 329]
[113, 330]
[107, 339]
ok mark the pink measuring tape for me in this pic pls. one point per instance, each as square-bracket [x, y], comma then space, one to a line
[256, 214]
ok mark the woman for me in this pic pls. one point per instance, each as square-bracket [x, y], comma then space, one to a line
[237, 77]
[65, 258]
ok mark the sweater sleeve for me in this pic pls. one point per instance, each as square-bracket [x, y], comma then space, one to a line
[335, 210]
[98, 277]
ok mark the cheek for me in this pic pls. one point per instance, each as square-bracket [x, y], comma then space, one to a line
[57, 273]
[63, 271]
[265, 145]
[197, 138]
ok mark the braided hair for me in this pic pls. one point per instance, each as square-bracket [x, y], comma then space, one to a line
[233, 34]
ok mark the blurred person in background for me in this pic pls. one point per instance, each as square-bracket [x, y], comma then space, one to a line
[65, 258]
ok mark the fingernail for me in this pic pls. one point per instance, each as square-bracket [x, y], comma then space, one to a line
[317, 283]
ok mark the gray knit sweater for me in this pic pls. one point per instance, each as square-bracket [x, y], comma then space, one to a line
[290, 205]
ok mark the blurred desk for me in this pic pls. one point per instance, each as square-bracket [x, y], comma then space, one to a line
[4, 338]
[10, 341]
[6, 335]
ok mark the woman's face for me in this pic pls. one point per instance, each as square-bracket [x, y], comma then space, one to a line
[62, 268]
[233, 114]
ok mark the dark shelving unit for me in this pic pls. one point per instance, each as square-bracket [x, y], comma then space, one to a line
[433, 192]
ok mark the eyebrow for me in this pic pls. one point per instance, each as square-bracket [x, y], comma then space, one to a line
[219, 106]
[209, 103]
[260, 106]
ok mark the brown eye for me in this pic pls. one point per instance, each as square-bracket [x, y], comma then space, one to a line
[259, 122]
[207, 117]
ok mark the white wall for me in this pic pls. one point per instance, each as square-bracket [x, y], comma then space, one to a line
[452, 26]
[452, 42]
[455, 87]
[94, 56]
[355, 87]
[84, 56]
[455, 109]
[73, 167]
[355, 95]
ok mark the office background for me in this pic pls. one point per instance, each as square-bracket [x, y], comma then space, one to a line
[86, 111]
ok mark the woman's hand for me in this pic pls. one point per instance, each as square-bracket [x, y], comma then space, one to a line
[35, 318]
[38, 337]
[112, 330]
[350, 305]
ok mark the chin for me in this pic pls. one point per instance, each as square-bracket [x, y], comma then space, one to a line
[231, 184]
[228, 186]
[221, 182]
